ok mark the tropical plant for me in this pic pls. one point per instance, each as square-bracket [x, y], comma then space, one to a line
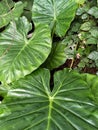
[33, 41]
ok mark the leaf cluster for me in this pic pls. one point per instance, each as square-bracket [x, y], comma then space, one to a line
[83, 36]
[37, 36]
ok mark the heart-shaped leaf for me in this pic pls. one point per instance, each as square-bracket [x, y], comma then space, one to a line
[19, 55]
[29, 104]
[57, 13]
[8, 12]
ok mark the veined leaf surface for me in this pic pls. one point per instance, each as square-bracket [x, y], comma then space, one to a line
[20, 55]
[30, 105]
[7, 14]
[57, 13]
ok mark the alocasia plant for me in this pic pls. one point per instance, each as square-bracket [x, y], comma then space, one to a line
[28, 103]
[22, 55]
[57, 13]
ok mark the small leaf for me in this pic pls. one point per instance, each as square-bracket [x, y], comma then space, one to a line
[20, 56]
[86, 26]
[93, 11]
[92, 40]
[93, 55]
[84, 16]
[30, 105]
[80, 11]
[94, 32]
[57, 13]
[8, 14]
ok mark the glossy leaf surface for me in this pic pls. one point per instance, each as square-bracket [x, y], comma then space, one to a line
[57, 13]
[57, 56]
[30, 105]
[20, 55]
[8, 12]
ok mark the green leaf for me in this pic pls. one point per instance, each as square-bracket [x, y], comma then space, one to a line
[91, 40]
[30, 105]
[81, 2]
[5, 6]
[93, 55]
[28, 9]
[29, 4]
[84, 16]
[57, 13]
[7, 14]
[86, 26]
[20, 55]
[57, 56]
[96, 62]
[94, 32]
[93, 11]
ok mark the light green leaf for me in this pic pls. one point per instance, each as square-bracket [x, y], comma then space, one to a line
[5, 6]
[86, 26]
[30, 105]
[94, 32]
[81, 2]
[93, 11]
[7, 13]
[93, 55]
[57, 56]
[20, 56]
[57, 13]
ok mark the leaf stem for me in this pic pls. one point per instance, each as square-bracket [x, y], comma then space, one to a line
[72, 62]
[73, 59]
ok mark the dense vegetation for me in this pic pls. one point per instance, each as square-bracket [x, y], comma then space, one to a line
[46, 46]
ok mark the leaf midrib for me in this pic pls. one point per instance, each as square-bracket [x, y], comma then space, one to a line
[50, 111]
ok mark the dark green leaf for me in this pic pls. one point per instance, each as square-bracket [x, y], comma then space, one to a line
[28, 9]
[57, 56]
[30, 105]
[57, 13]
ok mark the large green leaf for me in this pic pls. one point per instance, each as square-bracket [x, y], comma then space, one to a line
[19, 55]
[30, 105]
[57, 13]
[57, 56]
[8, 12]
